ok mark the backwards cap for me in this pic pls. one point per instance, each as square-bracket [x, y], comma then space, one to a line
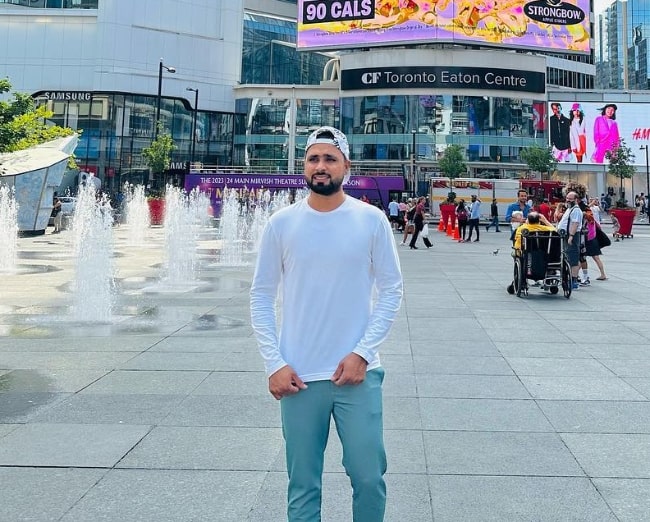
[331, 136]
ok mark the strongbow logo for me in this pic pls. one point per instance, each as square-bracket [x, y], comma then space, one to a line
[554, 12]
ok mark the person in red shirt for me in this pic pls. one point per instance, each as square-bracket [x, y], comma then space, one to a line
[545, 209]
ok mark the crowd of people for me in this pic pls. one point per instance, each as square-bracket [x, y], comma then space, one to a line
[579, 218]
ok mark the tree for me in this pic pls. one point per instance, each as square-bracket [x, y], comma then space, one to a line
[539, 159]
[620, 158]
[23, 125]
[452, 164]
[158, 155]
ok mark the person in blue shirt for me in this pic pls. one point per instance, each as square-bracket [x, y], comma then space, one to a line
[520, 204]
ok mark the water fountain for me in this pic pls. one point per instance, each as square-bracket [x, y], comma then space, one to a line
[181, 229]
[8, 230]
[137, 214]
[243, 218]
[93, 286]
[233, 229]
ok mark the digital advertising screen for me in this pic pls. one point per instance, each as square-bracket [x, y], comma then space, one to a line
[583, 132]
[538, 24]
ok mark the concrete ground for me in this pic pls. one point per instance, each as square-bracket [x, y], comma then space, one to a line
[496, 407]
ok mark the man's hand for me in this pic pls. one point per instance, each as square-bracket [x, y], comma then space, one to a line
[570, 240]
[285, 382]
[351, 370]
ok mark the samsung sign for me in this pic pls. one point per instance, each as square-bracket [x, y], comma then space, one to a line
[443, 78]
[64, 95]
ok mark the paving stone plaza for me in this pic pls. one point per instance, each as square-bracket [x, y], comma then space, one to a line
[496, 407]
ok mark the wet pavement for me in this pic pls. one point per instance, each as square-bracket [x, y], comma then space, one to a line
[496, 407]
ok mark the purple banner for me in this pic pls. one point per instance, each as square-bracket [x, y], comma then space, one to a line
[376, 188]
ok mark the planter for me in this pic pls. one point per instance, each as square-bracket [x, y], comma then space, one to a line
[625, 218]
[156, 211]
[447, 210]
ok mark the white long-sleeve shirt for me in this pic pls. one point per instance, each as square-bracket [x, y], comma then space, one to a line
[326, 265]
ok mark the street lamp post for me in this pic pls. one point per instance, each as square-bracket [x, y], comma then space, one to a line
[196, 108]
[172, 70]
[413, 160]
[647, 181]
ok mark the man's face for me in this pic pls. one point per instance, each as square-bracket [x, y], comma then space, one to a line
[522, 197]
[557, 109]
[325, 169]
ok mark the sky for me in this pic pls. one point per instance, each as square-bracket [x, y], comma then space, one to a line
[600, 5]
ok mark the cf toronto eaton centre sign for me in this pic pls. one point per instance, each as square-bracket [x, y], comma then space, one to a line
[443, 78]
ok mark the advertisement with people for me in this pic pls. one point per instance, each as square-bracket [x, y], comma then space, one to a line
[539, 24]
[584, 132]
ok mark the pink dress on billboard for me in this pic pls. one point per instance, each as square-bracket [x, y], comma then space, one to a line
[606, 137]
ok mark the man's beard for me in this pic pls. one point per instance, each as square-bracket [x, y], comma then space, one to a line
[324, 189]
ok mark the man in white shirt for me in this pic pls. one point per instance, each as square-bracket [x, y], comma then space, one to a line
[393, 213]
[325, 256]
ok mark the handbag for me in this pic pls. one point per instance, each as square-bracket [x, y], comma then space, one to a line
[425, 230]
[601, 237]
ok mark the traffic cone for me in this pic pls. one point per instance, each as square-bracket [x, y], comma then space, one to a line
[456, 235]
[449, 226]
[441, 225]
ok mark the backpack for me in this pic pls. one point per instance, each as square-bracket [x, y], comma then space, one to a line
[462, 215]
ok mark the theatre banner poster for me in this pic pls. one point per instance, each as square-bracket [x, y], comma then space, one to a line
[378, 189]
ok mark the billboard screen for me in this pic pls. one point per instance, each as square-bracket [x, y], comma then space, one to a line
[538, 24]
[583, 132]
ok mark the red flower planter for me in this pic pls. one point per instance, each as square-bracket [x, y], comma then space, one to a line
[625, 219]
[448, 210]
[156, 211]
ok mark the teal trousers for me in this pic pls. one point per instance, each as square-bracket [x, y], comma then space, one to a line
[357, 414]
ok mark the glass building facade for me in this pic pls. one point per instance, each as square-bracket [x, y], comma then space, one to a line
[55, 4]
[384, 131]
[269, 54]
[622, 36]
[115, 128]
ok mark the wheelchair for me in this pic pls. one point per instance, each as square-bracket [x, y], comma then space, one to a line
[542, 258]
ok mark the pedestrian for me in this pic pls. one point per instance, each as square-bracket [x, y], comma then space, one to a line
[403, 208]
[494, 216]
[592, 247]
[409, 228]
[516, 220]
[616, 227]
[418, 222]
[462, 216]
[393, 213]
[57, 215]
[571, 223]
[520, 204]
[334, 262]
[545, 209]
[474, 217]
